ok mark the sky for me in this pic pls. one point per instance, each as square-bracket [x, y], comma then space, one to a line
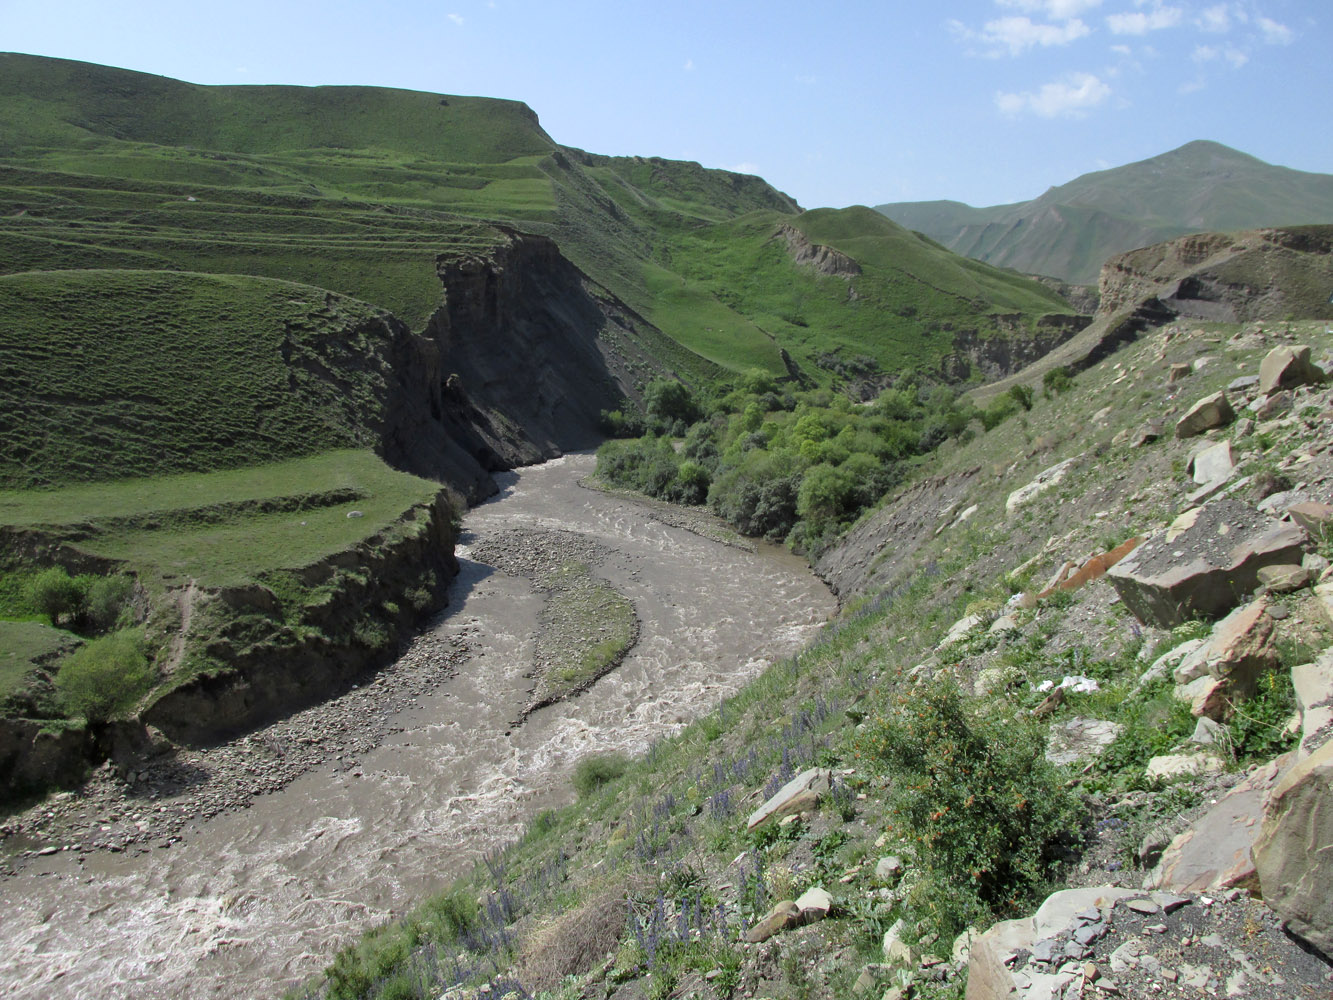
[836, 103]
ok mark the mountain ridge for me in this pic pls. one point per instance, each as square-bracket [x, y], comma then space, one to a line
[1069, 230]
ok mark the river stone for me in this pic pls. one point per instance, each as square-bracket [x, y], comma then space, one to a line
[1288, 367]
[797, 795]
[1211, 411]
[1294, 852]
[1204, 563]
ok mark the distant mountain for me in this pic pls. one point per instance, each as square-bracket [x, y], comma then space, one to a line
[1071, 230]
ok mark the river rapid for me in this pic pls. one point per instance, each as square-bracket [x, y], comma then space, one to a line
[251, 902]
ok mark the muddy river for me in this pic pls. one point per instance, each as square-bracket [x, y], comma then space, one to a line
[251, 902]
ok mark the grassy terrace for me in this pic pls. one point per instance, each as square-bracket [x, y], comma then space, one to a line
[222, 528]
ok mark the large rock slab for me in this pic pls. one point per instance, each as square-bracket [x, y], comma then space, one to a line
[1314, 697]
[1288, 367]
[1205, 564]
[797, 795]
[1294, 852]
[1214, 853]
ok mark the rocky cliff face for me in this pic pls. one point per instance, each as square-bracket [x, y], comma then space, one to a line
[531, 349]
[998, 356]
[819, 258]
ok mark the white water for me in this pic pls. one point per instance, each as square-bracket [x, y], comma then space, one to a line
[253, 902]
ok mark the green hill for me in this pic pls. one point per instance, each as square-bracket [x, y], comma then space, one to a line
[1072, 229]
[359, 190]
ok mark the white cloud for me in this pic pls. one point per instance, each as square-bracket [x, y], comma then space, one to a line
[1209, 53]
[1275, 33]
[1141, 22]
[689, 66]
[1058, 10]
[1215, 19]
[743, 168]
[1017, 34]
[1071, 97]
[457, 19]
[1122, 50]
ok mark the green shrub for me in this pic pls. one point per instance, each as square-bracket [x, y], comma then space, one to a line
[1022, 395]
[976, 799]
[55, 593]
[105, 677]
[591, 773]
[106, 598]
[1056, 381]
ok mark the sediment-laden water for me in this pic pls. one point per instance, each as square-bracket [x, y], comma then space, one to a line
[250, 902]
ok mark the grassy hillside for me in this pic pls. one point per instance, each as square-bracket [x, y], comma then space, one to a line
[132, 372]
[1072, 229]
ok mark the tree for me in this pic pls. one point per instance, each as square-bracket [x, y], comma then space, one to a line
[105, 677]
[667, 401]
[54, 593]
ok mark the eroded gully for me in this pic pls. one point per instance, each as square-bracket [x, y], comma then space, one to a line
[254, 901]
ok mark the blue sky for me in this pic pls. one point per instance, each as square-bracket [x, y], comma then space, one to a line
[986, 101]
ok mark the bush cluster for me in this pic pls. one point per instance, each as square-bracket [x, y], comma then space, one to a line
[86, 602]
[783, 465]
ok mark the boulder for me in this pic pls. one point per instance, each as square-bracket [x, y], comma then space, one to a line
[897, 951]
[1179, 765]
[1314, 697]
[1284, 578]
[797, 795]
[779, 918]
[1179, 371]
[1069, 578]
[1204, 564]
[961, 629]
[1267, 407]
[1209, 412]
[1242, 383]
[1239, 649]
[1294, 852]
[1287, 368]
[1214, 463]
[1147, 434]
[1046, 479]
[814, 904]
[1314, 517]
[1080, 739]
[990, 955]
